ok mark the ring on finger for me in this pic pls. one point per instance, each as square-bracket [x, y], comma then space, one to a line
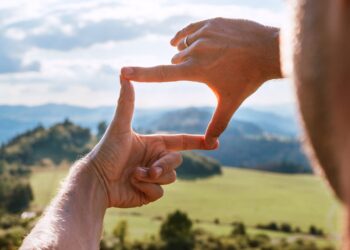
[186, 42]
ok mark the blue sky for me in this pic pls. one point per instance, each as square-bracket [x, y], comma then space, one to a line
[70, 52]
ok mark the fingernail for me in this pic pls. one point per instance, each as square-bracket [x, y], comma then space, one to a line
[157, 172]
[127, 71]
[142, 172]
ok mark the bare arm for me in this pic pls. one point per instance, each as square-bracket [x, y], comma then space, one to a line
[322, 76]
[74, 219]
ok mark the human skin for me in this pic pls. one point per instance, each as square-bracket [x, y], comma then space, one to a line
[124, 170]
[233, 57]
[322, 78]
[234, 64]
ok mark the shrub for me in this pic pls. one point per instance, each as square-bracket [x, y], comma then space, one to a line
[271, 226]
[120, 231]
[238, 229]
[20, 198]
[315, 231]
[101, 129]
[176, 232]
[15, 194]
[198, 166]
[286, 228]
[12, 238]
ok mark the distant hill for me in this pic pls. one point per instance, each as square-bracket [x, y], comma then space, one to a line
[274, 121]
[195, 120]
[265, 139]
[17, 119]
[66, 141]
[197, 166]
[243, 144]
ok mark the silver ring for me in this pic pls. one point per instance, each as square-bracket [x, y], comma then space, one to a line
[185, 42]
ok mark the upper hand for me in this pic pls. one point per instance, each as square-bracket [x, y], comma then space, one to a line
[132, 167]
[233, 57]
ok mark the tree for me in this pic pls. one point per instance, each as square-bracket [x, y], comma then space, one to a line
[20, 197]
[176, 232]
[120, 231]
[238, 229]
[315, 231]
[197, 166]
[286, 227]
[2, 167]
[101, 129]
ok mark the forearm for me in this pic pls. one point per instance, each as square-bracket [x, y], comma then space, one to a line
[75, 217]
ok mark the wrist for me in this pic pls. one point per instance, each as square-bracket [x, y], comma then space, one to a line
[89, 202]
[94, 164]
[90, 177]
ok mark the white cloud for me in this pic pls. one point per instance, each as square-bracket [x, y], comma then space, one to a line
[81, 45]
[15, 34]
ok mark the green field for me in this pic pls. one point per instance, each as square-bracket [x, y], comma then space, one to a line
[238, 195]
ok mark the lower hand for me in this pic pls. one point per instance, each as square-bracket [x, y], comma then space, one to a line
[233, 57]
[132, 167]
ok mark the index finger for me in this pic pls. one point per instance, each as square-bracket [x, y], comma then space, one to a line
[182, 142]
[161, 73]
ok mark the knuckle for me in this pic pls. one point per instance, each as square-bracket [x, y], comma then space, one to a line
[165, 164]
[214, 22]
[176, 159]
[181, 45]
[205, 31]
[198, 45]
[210, 23]
[218, 19]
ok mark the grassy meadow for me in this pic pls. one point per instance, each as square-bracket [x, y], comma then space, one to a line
[238, 195]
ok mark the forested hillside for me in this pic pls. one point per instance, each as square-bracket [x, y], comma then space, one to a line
[63, 141]
[243, 144]
[67, 141]
[254, 139]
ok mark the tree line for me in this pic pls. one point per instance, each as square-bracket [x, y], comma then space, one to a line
[177, 232]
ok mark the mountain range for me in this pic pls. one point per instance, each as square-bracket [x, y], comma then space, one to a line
[255, 138]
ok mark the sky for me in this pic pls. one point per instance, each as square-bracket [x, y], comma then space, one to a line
[71, 51]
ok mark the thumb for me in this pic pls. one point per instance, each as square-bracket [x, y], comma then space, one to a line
[125, 107]
[219, 121]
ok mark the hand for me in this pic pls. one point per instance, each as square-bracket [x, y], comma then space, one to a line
[233, 57]
[132, 167]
